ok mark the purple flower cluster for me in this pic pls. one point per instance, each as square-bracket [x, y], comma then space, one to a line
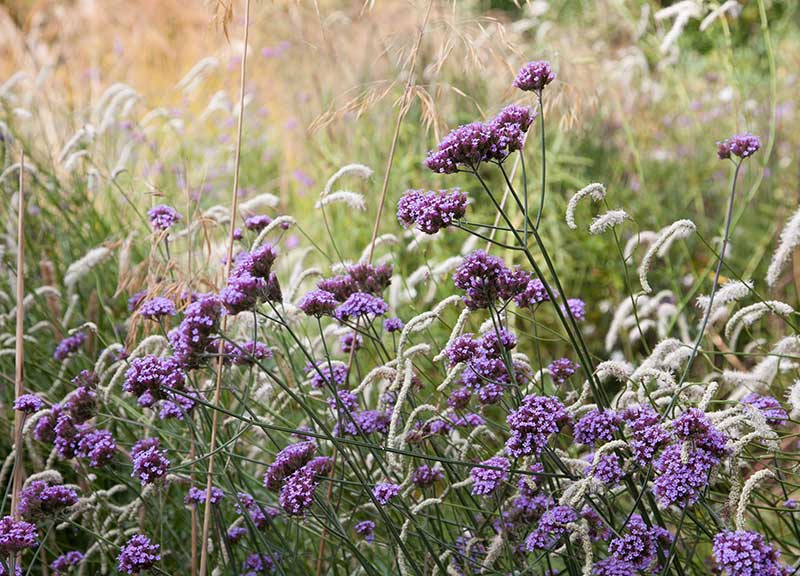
[257, 223]
[241, 353]
[38, 499]
[424, 476]
[69, 345]
[534, 76]
[318, 303]
[609, 470]
[431, 211]
[257, 514]
[62, 564]
[366, 529]
[534, 293]
[361, 305]
[157, 307]
[149, 461]
[362, 277]
[769, 407]
[469, 145]
[487, 374]
[533, 423]
[138, 554]
[597, 425]
[16, 535]
[393, 324]
[385, 492]
[562, 369]
[486, 279]
[576, 307]
[28, 403]
[251, 281]
[743, 553]
[321, 374]
[648, 435]
[297, 493]
[163, 217]
[741, 145]
[552, 526]
[639, 545]
[487, 480]
[150, 377]
[198, 495]
[191, 338]
[287, 461]
[256, 564]
[613, 567]
[351, 342]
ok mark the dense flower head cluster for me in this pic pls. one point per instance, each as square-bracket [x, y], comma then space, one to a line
[576, 307]
[534, 293]
[190, 339]
[562, 369]
[318, 303]
[149, 377]
[468, 555]
[163, 217]
[639, 544]
[534, 76]
[613, 567]
[40, 499]
[286, 462]
[744, 553]
[138, 554]
[17, 535]
[197, 495]
[62, 564]
[596, 425]
[487, 480]
[533, 423]
[393, 324]
[648, 435]
[157, 307]
[385, 492]
[259, 515]
[241, 353]
[425, 475]
[486, 279]
[98, 446]
[322, 374]
[251, 280]
[69, 346]
[366, 529]
[471, 144]
[741, 145]
[297, 492]
[432, 210]
[608, 469]
[150, 463]
[488, 371]
[351, 342]
[256, 564]
[772, 410]
[28, 403]
[361, 277]
[360, 305]
[257, 223]
[553, 524]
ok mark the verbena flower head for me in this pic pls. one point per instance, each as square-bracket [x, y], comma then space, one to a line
[98, 446]
[257, 223]
[743, 553]
[366, 529]
[157, 307]
[69, 345]
[318, 303]
[149, 462]
[385, 492]
[597, 425]
[485, 279]
[532, 424]
[256, 564]
[769, 407]
[190, 339]
[425, 475]
[149, 375]
[613, 567]
[138, 554]
[351, 342]
[608, 470]
[431, 211]
[532, 294]
[198, 495]
[534, 76]
[462, 349]
[361, 305]
[552, 525]
[741, 145]
[163, 217]
[487, 480]
[393, 324]
[297, 492]
[28, 403]
[38, 499]
[577, 307]
[321, 374]
[682, 477]
[287, 461]
[695, 426]
[62, 564]
[562, 369]
[639, 544]
[16, 535]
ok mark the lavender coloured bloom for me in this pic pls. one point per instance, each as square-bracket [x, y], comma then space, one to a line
[385, 492]
[163, 217]
[149, 375]
[431, 211]
[190, 339]
[198, 495]
[16, 535]
[608, 470]
[157, 307]
[532, 424]
[682, 477]
[80, 404]
[613, 567]
[256, 564]
[28, 403]
[562, 369]
[462, 349]
[38, 500]
[769, 407]
[577, 307]
[695, 426]
[69, 345]
[236, 533]
[318, 303]
[257, 223]
[534, 76]
[393, 324]
[98, 446]
[135, 301]
[63, 563]
[149, 462]
[485, 279]
[487, 480]
[426, 475]
[297, 493]
[243, 292]
[138, 554]
[639, 544]
[287, 461]
[534, 293]
[552, 525]
[322, 374]
[351, 342]
[597, 425]
[366, 528]
[741, 145]
[361, 304]
[744, 553]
